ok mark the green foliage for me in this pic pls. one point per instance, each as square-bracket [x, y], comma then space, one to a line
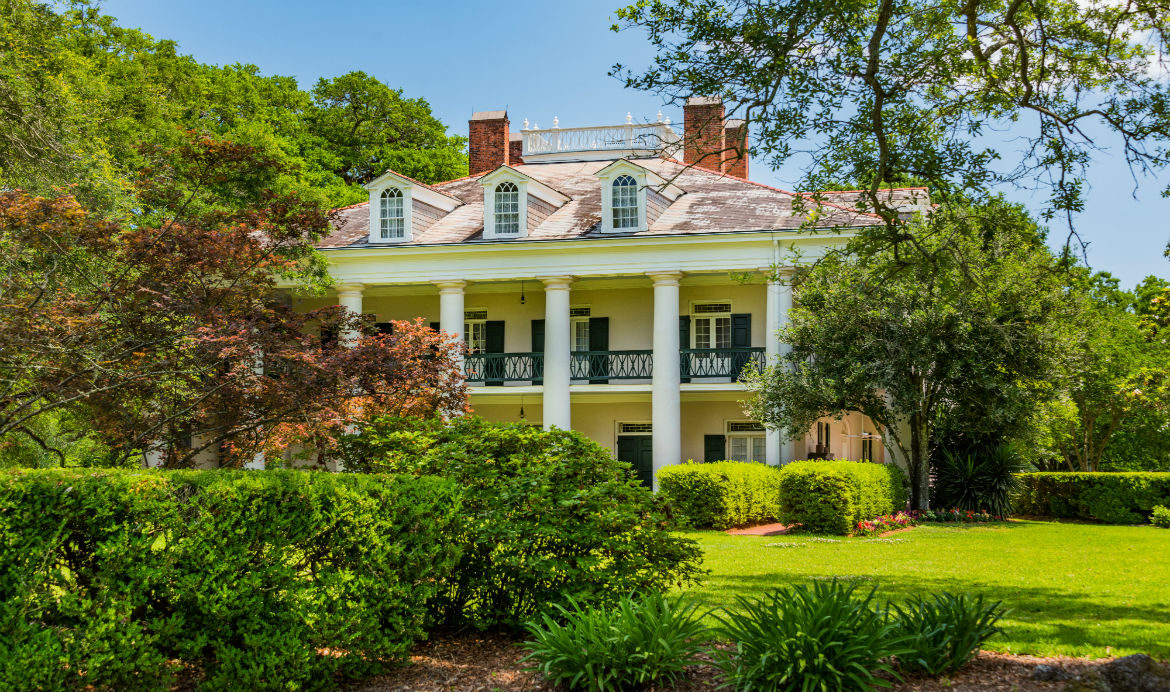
[1114, 498]
[801, 639]
[82, 94]
[973, 335]
[1160, 517]
[720, 495]
[981, 480]
[833, 496]
[552, 516]
[638, 642]
[881, 92]
[944, 632]
[106, 576]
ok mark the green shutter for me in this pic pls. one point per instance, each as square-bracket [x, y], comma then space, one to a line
[494, 360]
[741, 337]
[714, 448]
[598, 341]
[538, 351]
[684, 342]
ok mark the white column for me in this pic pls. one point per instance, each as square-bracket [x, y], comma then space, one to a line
[666, 403]
[790, 450]
[349, 296]
[451, 310]
[557, 352]
[772, 351]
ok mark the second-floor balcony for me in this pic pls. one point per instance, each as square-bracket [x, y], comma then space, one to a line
[601, 367]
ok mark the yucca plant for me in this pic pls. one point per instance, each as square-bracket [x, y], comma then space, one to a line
[946, 631]
[643, 640]
[825, 639]
[985, 479]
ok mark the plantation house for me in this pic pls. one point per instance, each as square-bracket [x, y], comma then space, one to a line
[600, 284]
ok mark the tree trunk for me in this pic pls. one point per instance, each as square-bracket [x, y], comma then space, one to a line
[919, 463]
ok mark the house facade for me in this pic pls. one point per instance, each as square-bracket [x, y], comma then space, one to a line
[602, 285]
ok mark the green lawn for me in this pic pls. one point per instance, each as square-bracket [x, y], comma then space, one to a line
[1073, 589]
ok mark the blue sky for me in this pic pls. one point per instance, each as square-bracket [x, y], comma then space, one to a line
[546, 59]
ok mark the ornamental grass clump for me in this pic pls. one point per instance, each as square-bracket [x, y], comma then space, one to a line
[828, 637]
[641, 641]
[944, 632]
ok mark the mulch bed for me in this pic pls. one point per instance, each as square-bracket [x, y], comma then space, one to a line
[491, 662]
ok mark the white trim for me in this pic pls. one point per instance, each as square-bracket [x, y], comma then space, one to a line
[606, 177]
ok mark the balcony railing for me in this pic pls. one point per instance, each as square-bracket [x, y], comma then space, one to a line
[719, 362]
[604, 366]
[651, 138]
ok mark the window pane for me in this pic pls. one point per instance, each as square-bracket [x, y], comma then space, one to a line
[475, 336]
[507, 209]
[391, 217]
[739, 449]
[580, 335]
[722, 332]
[703, 333]
[758, 449]
[625, 202]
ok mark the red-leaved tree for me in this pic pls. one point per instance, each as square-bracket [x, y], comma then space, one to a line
[172, 329]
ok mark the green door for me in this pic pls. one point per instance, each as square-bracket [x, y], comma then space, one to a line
[638, 451]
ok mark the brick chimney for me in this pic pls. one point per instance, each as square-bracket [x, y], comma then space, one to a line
[488, 143]
[735, 139]
[703, 133]
[515, 149]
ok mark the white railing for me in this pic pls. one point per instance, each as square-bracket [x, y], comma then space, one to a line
[652, 138]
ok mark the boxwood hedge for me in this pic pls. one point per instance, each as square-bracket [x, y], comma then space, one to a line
[257, 580]
[832, 496]
[552, 517]
[721, 495]
[1116, 498]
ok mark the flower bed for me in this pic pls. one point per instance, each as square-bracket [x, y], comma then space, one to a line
[906, 520]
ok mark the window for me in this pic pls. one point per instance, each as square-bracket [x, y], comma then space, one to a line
[580, 334]
[712, 325]
[393, 217]
[867, 447]
[625, 203]
[746, 441]
[475, 330]
[507, 210]
[823, 440]
[635, 428]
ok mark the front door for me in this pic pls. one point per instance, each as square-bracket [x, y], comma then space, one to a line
[638, 451]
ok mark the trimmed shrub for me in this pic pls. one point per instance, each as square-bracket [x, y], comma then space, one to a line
[1114, 498]
[944, 632]
[552, 517]
[833, 496]
[1160, 517]
[640, 642]
[976, 481]
[105, 576]
[799, 639]
[721, 495]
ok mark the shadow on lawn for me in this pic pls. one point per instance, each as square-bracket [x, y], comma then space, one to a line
[1037, 614]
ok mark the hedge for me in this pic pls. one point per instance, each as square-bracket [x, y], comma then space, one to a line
[721, 495]
[1115, 498]
[553, 517]
[106, 577]
[832, 496]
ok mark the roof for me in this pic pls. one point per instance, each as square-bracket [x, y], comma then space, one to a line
[711, 203]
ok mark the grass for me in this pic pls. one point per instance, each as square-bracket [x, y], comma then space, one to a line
[1073, 589]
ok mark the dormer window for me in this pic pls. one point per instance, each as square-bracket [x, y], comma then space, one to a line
[392, 215]
[625, 203]
[507, 209]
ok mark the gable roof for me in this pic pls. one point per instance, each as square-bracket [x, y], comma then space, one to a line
[712, 203]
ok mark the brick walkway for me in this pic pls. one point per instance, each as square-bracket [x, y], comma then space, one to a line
[763, 530]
